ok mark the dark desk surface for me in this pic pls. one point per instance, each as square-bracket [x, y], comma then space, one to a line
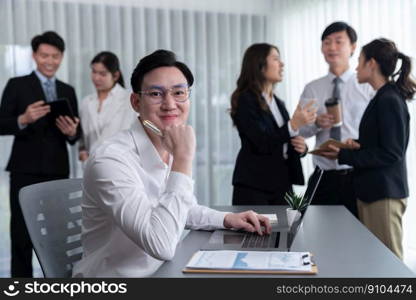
[342, 246]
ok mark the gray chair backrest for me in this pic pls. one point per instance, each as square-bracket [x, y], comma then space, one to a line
[52, 212]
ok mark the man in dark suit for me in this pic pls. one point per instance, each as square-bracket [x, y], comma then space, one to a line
[39, 150]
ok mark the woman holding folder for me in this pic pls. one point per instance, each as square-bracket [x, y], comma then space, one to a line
[379, 155]
[269, 159]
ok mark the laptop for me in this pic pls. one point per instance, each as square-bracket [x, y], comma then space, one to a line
[280, 239]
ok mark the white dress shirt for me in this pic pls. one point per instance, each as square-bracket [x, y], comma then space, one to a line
[135, 209]
[280, 121]
[116, 115]
[354, 100]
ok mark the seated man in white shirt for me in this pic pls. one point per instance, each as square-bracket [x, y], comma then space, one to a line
[138, 190]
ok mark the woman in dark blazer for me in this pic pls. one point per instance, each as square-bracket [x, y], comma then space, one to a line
[379, 155]
[269, 160]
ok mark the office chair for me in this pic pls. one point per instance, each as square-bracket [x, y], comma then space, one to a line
[52, 212]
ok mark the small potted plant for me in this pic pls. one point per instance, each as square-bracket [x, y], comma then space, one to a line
[297, 204]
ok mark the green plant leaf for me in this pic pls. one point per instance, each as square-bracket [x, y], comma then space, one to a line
[296, 202]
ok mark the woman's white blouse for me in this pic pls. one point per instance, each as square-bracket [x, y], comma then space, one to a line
[116, 115]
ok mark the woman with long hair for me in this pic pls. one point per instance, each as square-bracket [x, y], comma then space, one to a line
[379, 154]
[107, 111]
[269, 159]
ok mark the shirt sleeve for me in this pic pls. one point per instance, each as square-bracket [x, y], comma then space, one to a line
[202, 217]
[21, 126]
[9, 111]
[292, 132]
[155, 226]
[307, 130]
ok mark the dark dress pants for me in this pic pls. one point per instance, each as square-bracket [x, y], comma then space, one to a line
[336, 188]
[243, 195]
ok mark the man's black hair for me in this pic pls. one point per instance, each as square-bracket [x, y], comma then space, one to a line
[159, 58]
[338, 27]
[50, 38]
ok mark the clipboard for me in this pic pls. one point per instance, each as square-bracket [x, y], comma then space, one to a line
[61, 107]
[324, 146]
[313, 270]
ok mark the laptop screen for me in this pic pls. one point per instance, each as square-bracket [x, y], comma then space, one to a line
[309, 194]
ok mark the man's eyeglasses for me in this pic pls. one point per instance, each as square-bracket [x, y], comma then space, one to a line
[156, 95]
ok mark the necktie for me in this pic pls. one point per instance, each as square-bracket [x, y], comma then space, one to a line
[335, 92]
[335, 132]
[49, 91]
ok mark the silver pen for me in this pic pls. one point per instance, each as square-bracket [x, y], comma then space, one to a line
[152, 127]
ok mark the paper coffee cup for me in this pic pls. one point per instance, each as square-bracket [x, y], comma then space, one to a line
[334, 109]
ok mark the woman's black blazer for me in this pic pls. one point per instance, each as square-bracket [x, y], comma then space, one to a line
[260, 163]
[380, 164]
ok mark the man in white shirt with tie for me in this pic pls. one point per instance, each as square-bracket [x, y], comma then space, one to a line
[339, 87]
[138, 187]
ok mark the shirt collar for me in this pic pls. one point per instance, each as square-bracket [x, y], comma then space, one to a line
[43, 78]
[151, 160]
[344, 76]
[116, 88]
[114, 91]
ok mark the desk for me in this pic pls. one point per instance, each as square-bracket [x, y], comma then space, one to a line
[342, 246]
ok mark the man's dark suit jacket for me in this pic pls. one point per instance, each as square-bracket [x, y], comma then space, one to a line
[40, 148]
[380, 163]
[260, 163]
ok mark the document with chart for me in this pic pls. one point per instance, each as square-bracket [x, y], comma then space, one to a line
[224, 261]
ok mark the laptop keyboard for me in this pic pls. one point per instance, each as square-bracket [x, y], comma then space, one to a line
[253, 240]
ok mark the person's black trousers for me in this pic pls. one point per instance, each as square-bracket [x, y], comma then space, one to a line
[243, 195]
[21, 245]
[336, 188]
